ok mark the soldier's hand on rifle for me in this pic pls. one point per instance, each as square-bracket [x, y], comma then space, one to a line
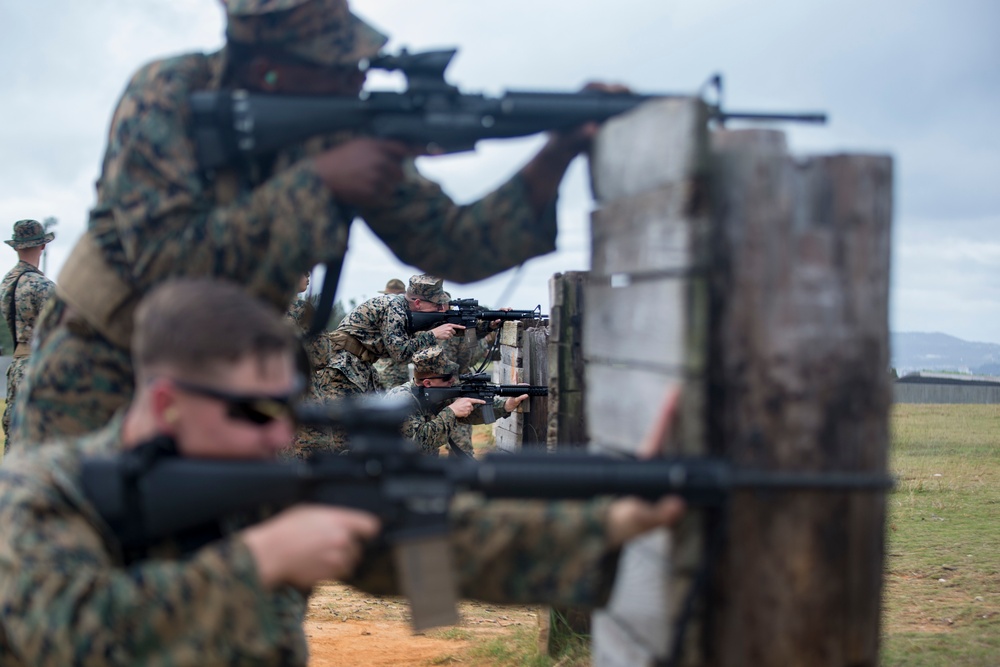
[511, 403]
[306, 544]
[630, 517]
[578, 139]
[544, 172]
[446, 331]
[463, 407]
[364, 171]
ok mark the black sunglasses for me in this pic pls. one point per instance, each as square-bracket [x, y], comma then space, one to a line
[257, 410]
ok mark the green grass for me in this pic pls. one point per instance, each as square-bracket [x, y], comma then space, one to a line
[942, 594]
[521, 650]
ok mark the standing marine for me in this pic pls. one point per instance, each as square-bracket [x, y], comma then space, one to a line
[23, 292]
[264, 222]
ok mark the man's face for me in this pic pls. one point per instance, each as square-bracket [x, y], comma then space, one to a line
[437, 381]
[421, 306]
[242, 420]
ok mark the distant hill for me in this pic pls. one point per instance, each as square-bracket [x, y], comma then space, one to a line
[941, 352]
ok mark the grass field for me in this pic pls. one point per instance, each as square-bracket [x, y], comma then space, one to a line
[942, 585]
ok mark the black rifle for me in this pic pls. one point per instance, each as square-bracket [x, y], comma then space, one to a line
[234, 125]
[149, 494]
[474, 385]
[468, 313]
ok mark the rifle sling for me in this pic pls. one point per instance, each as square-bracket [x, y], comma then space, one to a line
[11, 311]
[458, 451]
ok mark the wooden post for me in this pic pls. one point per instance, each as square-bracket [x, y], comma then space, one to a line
[799, 361]
[523, 358]
[567, 417]
[644, 335]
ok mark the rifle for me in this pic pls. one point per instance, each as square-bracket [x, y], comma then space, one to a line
[136, 491]
[474, 385]
[236, 125]
[468, 313]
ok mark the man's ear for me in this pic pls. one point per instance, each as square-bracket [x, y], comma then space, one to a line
[163, 403]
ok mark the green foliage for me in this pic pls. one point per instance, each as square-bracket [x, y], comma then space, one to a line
[521, 650]
[942, 598]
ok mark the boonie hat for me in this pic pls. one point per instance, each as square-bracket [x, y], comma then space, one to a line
[394, 286]
[29, 234]
[321, 31]
[433, 361]
[427, 288]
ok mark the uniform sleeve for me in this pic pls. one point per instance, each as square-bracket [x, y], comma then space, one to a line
[158, 215]
[67, 602]
[425, 228]
[430, 433]
[398, 342]
[520, 552]
[33, 291]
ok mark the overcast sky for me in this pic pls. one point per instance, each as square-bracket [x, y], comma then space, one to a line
[917, 79]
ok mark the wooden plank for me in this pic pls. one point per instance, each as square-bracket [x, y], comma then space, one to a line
[659, 142]
[648, 231]
[641, 324]
[567, 416]
[645, 330]
[798, 367]
[627, 399]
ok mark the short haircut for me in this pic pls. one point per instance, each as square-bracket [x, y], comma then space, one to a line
[194, 325]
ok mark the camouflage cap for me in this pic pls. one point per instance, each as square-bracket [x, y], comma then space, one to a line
[433, 361]
[394, 286]
[29, 234]
[427, 288]
[321, 31]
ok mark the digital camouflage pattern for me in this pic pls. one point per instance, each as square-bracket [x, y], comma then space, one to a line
[380, 325]
[431, 430]
[322, 31]
[392, 374]
[70, 599]
[21, 309]
[73, 600]
[427, 288]
[157, 216]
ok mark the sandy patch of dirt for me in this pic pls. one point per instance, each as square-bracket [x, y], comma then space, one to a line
[345, 627]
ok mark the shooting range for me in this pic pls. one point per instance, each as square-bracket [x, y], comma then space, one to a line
[758, 281]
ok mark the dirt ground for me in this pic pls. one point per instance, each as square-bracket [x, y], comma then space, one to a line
[345, 627]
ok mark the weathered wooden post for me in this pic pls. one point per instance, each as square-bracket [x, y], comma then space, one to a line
[644, 334]
[799, 361]
[567, 417]
[523, 358]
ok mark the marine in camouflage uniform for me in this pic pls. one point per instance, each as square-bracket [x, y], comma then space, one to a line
[317, 349]
[432, 429]
[390, 373]
[159, 216]
[377, 328]
[71, 597]
[23, 292]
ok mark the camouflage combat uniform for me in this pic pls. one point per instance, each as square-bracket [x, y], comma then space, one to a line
[392, 373]
[380, 326]
[317, 348]
[468, 354]
[21, 309]
[69, 598]
[158, 216]
[431, 430]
